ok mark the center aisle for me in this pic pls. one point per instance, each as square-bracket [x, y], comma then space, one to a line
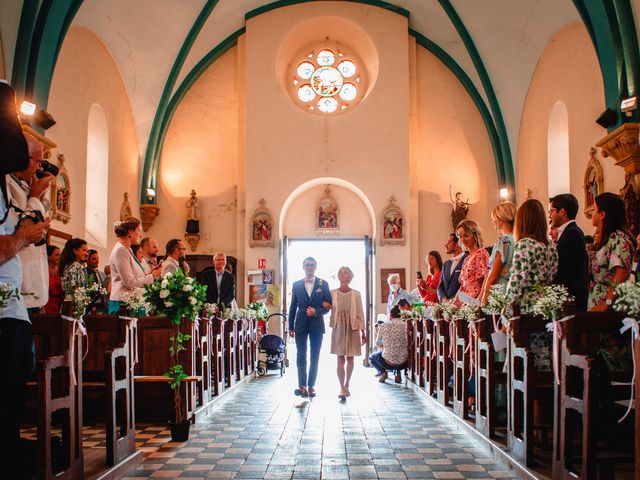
[261, 430]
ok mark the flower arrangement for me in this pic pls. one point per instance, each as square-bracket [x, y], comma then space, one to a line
[550, 301]
[85, 296]
[135, 302]
[449, 310]
[7, 291]
[176, 296]
[497, 300]
[433, 310]
[418, 310]
[468, 312]
[210, 309]
[260, 309]
[407, 314]
[235, 314]
[628, 299]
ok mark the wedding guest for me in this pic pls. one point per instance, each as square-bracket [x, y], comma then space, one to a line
[428, 287]
[174, 257]
[573, 263]
[450, 278]
[535, 259]
[394, 351]
[93, 271]
[396, 293]
[149, 253]
[347, 322]
[611, 264]
[503, 217]
[72, 270]
[137, 252]
[221, 284]
[56, 294]
[127, 273]
[476, 266]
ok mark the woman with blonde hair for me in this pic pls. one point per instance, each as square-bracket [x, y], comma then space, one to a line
[348, 334]
[476, 265]
[503, 217]
[127, 273]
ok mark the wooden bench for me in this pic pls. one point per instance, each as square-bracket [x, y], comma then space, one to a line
[443, 361]
[582, 447]
[230, 352]
[217, 356]
[58, 399]
[204, 390]
[430, 356]
[250, 349]
[461, 368]
[417, 359]
[241, 328]
[153, 397]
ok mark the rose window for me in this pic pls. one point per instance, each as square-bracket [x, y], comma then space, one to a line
[327, 81]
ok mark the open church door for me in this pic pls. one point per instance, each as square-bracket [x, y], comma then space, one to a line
[368, 308]
[283, 255]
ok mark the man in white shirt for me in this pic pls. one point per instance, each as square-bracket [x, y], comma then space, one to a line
[28, 194]
[149, 248]
[449, 280]
[174, 257]
[221, 285]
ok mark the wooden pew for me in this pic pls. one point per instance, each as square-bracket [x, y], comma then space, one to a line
[583, 444]
[217, 356]
[241, 328]
[251, 348]
[230, 340]
[153, 397]
[108, 382]
[636, 356]
[204, 391]
[417, 366]
[461, 368]
[58, 400]
[489, 374]
[443, 361]
[430, 358]
[526, 386]
[410, 367]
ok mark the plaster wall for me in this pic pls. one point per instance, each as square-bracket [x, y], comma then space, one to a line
[86, 74]
[367, 146]
[567, 71]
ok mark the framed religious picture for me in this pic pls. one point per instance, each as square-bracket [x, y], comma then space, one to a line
[61, 194]
[393, 225]
[327, 215]
[593, 182]
[261, 227]
[384, 284]
[57, 238]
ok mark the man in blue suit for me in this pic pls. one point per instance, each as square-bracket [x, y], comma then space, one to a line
[450, 279]
[306, 322]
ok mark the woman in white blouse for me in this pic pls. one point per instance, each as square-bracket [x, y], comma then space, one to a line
[127, 272]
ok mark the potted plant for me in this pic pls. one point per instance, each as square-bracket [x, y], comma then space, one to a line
[176, 296]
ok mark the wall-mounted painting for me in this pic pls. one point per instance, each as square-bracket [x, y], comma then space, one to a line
[261, 227]
[593, 182]
[393, 225]
[327, 215]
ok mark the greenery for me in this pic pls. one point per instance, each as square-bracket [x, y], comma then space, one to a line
[497, 301]
[7, 291]
[260, 309]
[85, 296]
[135, 302]
[628, 299]
[176, 296]
[469, 312]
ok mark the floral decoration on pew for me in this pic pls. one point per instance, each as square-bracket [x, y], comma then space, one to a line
[210, 309]
[628, 299]
[548, 301]
[497, 301]
[468, 312]
[7, 292]
[176, 296]
[135, 302]
[83, 297]
[433, 310]
[449, 310]
[237, 314]
[260, 309]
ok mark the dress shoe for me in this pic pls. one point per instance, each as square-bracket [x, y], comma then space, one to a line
[301, 392]
[312, 392]
[383, 377]
[398, 378]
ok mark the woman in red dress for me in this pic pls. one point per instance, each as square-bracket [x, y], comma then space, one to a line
[56, 294]
[428, 287]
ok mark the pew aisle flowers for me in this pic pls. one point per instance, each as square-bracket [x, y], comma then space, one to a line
[210, 309]
[134, 300]
[260, 309]
[549, 301]
[449, 310]
[176, 296]
[7, 291]
[497, 300]
[85, 296]
[433, 310]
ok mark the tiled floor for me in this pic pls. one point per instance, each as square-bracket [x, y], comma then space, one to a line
[263, 431]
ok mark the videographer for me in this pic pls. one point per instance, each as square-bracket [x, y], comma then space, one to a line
[30, 198]
[16, 360]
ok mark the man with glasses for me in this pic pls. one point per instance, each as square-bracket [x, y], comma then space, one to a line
[175, 257]
[32, 194]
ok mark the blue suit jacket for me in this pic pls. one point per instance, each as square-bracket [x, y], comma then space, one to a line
[298, 319]
[450, 281]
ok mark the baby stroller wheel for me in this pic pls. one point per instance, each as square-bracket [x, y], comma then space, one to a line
[261, 371]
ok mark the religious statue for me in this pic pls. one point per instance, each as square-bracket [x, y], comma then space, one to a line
[193, 217]
[459, 209]
[628, 193]
[125, 209]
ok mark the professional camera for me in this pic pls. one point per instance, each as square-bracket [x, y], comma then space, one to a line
[47, 167]
[34, 216]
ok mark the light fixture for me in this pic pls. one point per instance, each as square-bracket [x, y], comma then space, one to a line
[607, 118]
[27, 108]
[151, 192]
[504, 193]
[629, 105]
[44, 119]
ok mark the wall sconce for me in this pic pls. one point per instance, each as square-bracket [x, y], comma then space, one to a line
[629, 105]
[27, 108]
[151, 193]
[504, 194]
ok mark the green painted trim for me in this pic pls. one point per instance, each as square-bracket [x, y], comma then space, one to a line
[486, 84]
[151, 173]
[629, 41]
[23, 45]
[502, 168]
[153, 152]
[285, 3]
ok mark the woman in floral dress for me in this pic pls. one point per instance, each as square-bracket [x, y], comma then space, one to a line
[476, 266]
[611, 263]
[72, 269]
[503, 217]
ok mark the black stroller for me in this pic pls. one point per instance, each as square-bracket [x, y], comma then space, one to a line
[274, 349]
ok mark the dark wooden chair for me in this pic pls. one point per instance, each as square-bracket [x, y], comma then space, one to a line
[217, 356]
[430, 356]
[444, 362]
[461, 370]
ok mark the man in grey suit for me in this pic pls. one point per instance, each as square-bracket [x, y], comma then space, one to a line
[306, 322]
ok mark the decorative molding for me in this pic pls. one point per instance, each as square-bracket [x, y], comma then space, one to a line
[261, 227]
[593, 182]
[393, 225]
[623, 146]
[148, 214]
[192, 239]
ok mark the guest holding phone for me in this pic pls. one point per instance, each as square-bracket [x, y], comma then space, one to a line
[428, 287]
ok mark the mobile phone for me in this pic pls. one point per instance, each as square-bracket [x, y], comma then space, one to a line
[419, 274]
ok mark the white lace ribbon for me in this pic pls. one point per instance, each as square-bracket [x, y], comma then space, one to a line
[631, 324]
[79, 328]
[554, 326]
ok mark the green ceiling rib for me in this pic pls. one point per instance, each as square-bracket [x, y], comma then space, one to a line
[285, 3]
[152, 153]
[486, 84]
[629, 43]
[501, 168]
[28, 18]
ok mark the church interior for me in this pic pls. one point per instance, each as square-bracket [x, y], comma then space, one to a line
[375, 135]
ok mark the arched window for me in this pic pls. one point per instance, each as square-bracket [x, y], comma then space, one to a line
[558, 172]
[97, 177]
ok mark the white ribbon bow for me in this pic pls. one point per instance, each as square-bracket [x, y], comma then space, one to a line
[79, 328]
[631, 324]
[554, 327]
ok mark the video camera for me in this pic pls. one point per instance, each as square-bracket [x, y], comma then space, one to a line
[47, 167]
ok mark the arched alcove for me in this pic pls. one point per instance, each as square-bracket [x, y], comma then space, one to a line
[97, 177]
[558, 164]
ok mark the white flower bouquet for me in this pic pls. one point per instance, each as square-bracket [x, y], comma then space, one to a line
[628, 299]
[260, 309]
[135, 302]
[449, 310]
[210, 309]
[497, 300]
[468, 312]
[85, 296]
[550, 301]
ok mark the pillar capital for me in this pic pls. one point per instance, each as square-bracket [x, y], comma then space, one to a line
[623, 145]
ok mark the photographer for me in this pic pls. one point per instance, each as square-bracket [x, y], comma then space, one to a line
[16, 361]
[30, 193]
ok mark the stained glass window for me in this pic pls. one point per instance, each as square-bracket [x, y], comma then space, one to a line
[325, 80]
